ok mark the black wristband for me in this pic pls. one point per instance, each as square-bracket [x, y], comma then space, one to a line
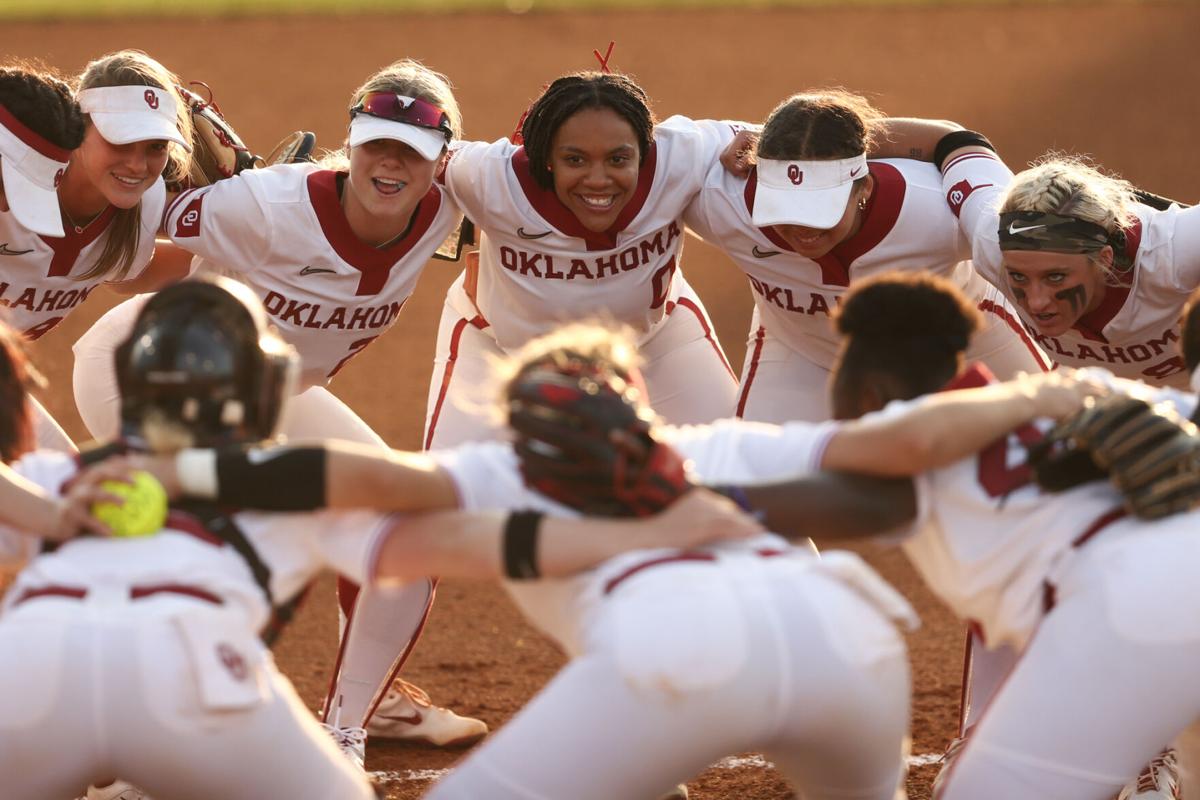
[952, 141]
[520, 545]
[272, 479]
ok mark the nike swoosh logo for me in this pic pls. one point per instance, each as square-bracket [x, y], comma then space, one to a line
[315, 270]
[1013, 230]
[854, 171]
[764, 253]
[5, 251]
[408, 719]
[521, 232]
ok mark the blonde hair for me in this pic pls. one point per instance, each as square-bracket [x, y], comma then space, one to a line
[1071, 187]
[134, 68]
[820, 125]
[409, 78]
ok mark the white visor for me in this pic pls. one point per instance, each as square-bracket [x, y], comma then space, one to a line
[31, 168]
[808, 193]
[125, 114]
[426, 141]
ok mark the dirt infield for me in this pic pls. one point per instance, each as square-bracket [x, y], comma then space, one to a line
[1115, 81]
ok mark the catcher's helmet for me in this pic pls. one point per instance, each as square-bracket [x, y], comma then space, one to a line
[203, 357]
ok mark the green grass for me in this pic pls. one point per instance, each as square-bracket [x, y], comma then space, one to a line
[91, 9]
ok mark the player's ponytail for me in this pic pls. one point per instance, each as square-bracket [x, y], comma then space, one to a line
[904, 335]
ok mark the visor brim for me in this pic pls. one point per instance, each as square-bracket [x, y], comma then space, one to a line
[428, 142]
[34, 206]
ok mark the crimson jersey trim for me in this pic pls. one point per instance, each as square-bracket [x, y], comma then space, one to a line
[374, 263]
[546, 203]
[70, 245]
[879, 217]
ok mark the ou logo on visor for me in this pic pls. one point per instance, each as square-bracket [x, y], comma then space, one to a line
[795, 175]
[151, 98]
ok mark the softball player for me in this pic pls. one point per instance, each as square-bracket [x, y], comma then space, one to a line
[792, 653]
[1100, 279]
[815, 215]
[333, 254]
[584, 218]
[1098, 605]
[109, 196]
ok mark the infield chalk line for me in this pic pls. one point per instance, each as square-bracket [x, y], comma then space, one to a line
[733, 762]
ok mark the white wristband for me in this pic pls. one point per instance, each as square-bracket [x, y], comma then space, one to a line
[197, 471]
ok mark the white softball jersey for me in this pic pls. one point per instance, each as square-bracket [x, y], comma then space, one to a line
[987, 540]
[539, 266]
[784, 648]
[154, 641]
[1135, 331]
[487, 477]
[906, 226]
[282, 232]
[39, 275]
[295, 546]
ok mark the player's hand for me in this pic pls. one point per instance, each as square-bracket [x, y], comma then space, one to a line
[697, 518]
[162, 467]
[73, 510]
[738, 157]
[1062, 392]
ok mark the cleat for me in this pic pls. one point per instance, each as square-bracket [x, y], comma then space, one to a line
[118, 790]
[680, 792]
[351, 741]
[1158, 781]
[407, 713]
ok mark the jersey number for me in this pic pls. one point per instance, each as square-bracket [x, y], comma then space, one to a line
[996, 475]
[662, 283]
[355, 348]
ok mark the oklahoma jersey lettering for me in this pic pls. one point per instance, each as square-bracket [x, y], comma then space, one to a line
[905, 227]
[487, 477]
[539, 266]
[39, 274]
[281, 231]
[1134, 332]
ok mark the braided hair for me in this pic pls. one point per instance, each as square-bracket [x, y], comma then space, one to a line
[43, 102]
[904, 336]
[572, 93]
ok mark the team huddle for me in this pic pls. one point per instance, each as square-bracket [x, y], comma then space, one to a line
[996, 370]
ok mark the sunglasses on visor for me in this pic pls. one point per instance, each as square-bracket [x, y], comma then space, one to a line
[410, 111]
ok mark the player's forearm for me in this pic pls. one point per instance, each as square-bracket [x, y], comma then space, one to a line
[306, 477]
[910, 137]
[464, 544]
[943, 429]
[833, 505]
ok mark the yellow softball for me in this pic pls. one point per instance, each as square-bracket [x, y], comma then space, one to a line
[144, 510]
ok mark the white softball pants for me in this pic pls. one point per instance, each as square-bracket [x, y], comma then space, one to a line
[97, 689]
[687, 663]
[1108, 679]
[687, 375]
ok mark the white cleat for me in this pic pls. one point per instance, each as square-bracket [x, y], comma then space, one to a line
[120, 790]
[1158, 781]
[680, 792]
[351, 741]
[407, 713]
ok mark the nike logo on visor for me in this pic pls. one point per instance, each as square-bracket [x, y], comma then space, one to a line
[524, 235]
[1013, 230]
